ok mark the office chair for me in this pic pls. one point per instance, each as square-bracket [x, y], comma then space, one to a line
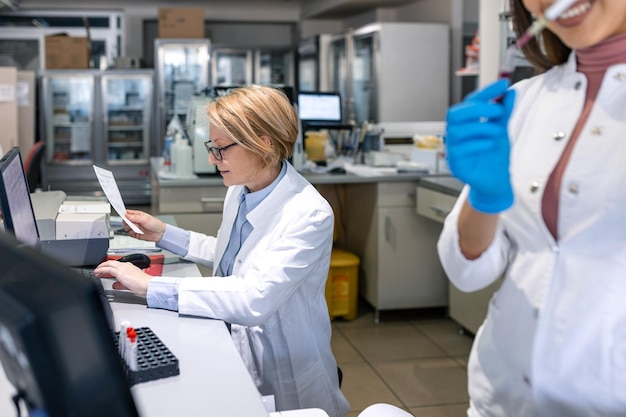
[32, 165]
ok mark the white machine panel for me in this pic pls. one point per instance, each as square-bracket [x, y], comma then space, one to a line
[198, 122]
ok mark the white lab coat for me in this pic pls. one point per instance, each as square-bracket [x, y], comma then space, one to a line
[275, 297]
[554, 340]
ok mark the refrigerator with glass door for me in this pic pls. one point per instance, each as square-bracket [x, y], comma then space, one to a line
[182, 71]
[103, 118]
[392, 72]
[231, 67]
[313, 55]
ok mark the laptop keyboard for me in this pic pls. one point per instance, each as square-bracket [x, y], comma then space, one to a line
[88, 273]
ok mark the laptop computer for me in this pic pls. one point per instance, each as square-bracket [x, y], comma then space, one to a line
[19, 218]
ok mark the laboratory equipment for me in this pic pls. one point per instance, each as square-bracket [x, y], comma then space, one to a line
[198, 121]
[151, 358]
[182, 71]
[98, 117]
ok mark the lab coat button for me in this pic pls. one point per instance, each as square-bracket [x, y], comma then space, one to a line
[558, 135]
[573, 189]
[620, 76]
[577, 85]
[527, 380]
[534, 187]
[239, 261]
[555, 248]
[596, 131]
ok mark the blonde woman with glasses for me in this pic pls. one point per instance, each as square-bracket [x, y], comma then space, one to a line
[270, 258]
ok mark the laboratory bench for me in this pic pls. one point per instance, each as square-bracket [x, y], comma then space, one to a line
[375, 218]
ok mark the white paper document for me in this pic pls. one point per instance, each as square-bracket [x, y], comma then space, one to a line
[111, 190]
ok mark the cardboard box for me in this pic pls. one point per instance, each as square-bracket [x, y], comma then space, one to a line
[25, 110]
[181, 23]
[8, 108]
[66, 52]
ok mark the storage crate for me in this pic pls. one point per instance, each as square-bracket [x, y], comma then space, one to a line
[342, 285]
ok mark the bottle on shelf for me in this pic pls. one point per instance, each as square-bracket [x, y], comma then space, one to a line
[184, 159]
[181, 156]
[174, 127]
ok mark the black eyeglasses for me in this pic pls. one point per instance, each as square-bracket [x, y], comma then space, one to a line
[217, 152]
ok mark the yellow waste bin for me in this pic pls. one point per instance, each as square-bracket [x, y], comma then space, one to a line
[342, 284]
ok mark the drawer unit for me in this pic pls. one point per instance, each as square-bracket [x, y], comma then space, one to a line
[433, 204]
[191, 199]
[399, 266]
[396, 194]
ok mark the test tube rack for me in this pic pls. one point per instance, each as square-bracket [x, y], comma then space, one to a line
[154, 359]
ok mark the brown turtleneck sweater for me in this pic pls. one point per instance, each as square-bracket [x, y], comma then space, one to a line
[592, 62]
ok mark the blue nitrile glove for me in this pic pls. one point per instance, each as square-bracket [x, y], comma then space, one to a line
[477, 146]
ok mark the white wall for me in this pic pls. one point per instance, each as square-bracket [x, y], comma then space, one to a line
[312, 27]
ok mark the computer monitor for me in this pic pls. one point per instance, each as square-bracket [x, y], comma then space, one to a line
[56, 346]
[15, 202]
[19, 218]
[319, 107]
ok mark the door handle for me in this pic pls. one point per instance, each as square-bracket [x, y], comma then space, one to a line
[440, 212]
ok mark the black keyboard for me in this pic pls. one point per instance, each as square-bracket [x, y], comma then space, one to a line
[88, 273]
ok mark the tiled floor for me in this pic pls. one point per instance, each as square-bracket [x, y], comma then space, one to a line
[414, 359]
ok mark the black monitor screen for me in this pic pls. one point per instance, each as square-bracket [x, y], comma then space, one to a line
[319, 107]
[56, 346]
[15, 203]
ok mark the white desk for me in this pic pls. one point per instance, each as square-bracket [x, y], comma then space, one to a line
[213, 380]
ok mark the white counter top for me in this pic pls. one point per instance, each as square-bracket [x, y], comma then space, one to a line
[314, 178]
[213, 379]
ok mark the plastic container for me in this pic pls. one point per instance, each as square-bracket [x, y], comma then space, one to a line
[315, 146]
[184, 162]
[173, 148]
[154, 359]
[342, 284]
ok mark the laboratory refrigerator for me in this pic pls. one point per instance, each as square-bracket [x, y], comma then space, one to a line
[242, 66]
[182, 72]
[392, 72]
[313, 54]
[103, 118]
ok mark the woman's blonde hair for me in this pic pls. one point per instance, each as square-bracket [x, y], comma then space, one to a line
[248, 113]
